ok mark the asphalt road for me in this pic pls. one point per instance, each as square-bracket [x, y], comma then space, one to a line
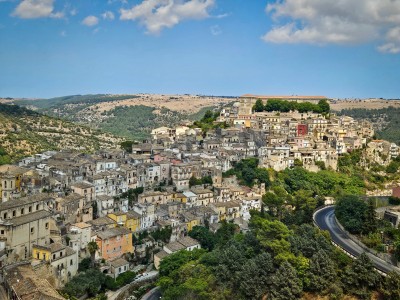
[154, 294]
[325, 220]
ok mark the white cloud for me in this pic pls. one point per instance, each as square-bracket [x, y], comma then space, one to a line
[216, 30]
[113, 1]
[156, 15]
[33, 9]
[336, 22]
[108, 15]
[90, 21]
[63, 33]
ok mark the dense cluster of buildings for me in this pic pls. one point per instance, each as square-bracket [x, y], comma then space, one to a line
[55, 203]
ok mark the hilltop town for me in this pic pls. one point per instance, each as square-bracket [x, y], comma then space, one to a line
[123, 208]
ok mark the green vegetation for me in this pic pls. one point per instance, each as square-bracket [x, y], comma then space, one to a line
[131, 195]
[59, 102]
[278, 105]
[349, 164]
[127, 146]
[131, 122]
[283, 255]
[93, 282]
[198, 181]
[4, 157]
[386, 121]
[355, 214]
[271, 260]
[247, 172]
[207, 122]
[125, 121]
[24, 132]
[163, 234]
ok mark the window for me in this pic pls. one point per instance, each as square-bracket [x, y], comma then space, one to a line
[37, 206]
[2, 232]
[54, 256]
[22, 211]
[47, 225]
[32, 230]
[30, 209]
[71, 262]
[14, 213]
[5, 216]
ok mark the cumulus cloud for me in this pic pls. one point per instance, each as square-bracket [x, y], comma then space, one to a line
[156, 15]
[90, 21]
[336, 22]
[33, 9]
[108, 15]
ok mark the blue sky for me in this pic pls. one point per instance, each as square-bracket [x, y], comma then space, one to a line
[52, 48]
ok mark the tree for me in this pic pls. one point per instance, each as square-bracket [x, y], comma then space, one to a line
[176, 260]
[393, 167]
[321, 273]
[285, 284]
[84, 264]
[127, 146]
[391, 286]
[309, 241]
[272, 235]
[163, 234]
[360, 278]
[324, 106]
[89, 282]
[92, 247]
[273, 203]
[258, 106]
[370, 218]
[351, 212]
[204, 236]
[225, 233]
[255, 277]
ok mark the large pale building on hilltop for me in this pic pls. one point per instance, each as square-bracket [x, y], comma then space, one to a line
[247, 101]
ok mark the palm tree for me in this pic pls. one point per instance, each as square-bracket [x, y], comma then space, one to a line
[92, 248]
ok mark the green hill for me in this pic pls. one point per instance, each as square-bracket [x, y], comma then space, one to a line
[128, 116]
[386, 121]
[24, 132]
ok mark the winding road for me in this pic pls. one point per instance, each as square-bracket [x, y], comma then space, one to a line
[325, 220]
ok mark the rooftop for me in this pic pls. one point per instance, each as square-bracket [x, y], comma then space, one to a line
[112, 232]
[187, 241]
[102, 221]
[24, 200]
[119, 262]
[42, 214]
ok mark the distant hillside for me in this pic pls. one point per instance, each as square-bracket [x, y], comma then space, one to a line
[24, 132]
[386, 121]
[129, 116]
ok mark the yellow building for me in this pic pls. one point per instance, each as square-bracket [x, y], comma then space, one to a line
[190, 220]
[10, 181]
[129, 220]
[180, 197]
[41, 252]
[63, 260]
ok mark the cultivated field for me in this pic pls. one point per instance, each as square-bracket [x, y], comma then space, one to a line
[186, 104]
[364, 103]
